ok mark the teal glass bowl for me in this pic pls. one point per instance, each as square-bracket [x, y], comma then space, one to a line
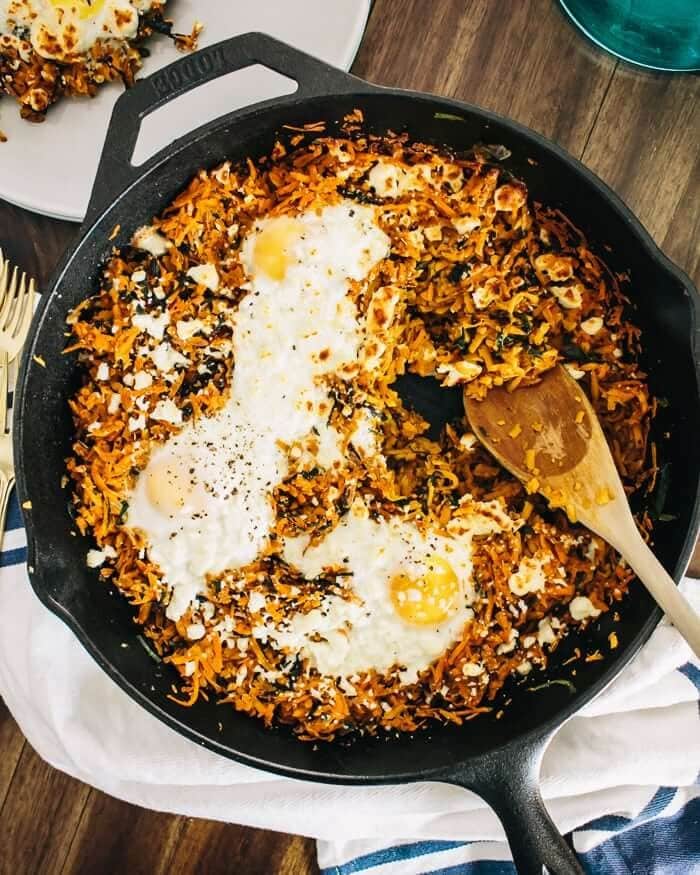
[660, 34]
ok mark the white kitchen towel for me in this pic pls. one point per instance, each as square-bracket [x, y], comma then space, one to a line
[640, 734]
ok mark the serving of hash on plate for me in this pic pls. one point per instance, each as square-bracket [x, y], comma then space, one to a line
[292, 541]
[55, 48]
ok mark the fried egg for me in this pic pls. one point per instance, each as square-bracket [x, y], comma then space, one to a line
[64, 29]
[412, 592]
[203, 502]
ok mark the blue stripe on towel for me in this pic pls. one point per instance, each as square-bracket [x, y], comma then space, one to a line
[391, 855]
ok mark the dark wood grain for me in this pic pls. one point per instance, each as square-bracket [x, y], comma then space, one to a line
[11, 744]
[39, 817]
[645, 145]
[638, 130]
[130, 839]
[206, 847]
[521, 59]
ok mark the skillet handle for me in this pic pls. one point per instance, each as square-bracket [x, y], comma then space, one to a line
[314, 78]
[508, 780]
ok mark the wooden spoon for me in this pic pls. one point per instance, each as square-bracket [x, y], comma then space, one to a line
[549, 437]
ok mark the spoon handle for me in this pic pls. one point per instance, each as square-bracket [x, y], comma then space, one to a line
[662, 587]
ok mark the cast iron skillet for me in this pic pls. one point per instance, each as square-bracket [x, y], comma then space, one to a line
[497, 758]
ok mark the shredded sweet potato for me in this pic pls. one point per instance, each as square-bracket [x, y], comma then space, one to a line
[490, 289]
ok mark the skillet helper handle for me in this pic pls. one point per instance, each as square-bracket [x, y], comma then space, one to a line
[509, 782]
[314, 78]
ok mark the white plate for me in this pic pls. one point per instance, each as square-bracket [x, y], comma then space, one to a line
[49, 168]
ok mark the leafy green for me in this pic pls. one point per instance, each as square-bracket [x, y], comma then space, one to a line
[658, 499]
[448, 116]
[525, 322]
[462, 342]
[505, 341]
[574, 353]
[563, 682]
[147, 647]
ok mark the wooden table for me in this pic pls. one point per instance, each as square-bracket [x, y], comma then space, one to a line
[638, 130]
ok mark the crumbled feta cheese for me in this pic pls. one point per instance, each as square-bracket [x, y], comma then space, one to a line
[187, 329]
[137, 422]
[138, 276]
[593, 325]
[468, 441]
[256, 602]
[208, 610]
[508, 646]
[347, 687]
[529, 640]
[569, 297]
[389, 179]
[167, 411]
[509, 197]
[581, 608]
[557, 267]
[205, 275]
[525, 667]
[151, 241]
[114, 403]
[575, 372]
[154, 326]
[95, 558]
[242, 644]
[545, 632]
[472, 669]
[505, 648]
[528, 578]
[103, 371]
[165, 358]
[195, 631]
[433, 233]
[591, 550]
[142, 380]
[94, 426]
[459, 372]
[482, 298]
[128, 379]
[189, 668]
[465, 224]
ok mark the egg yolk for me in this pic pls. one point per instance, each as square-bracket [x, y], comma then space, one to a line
[169, 485]
[428, 599]
[271, 252]
[84, 8]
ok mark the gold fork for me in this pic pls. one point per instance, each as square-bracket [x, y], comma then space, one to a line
[17, 294]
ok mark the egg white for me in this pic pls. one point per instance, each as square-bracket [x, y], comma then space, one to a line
[346, 637]
[279, 331]
[67, 28]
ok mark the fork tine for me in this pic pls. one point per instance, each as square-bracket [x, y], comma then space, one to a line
[23, 330]
[4, 268]
[26, 310]
[10, 302]
[20, 308]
